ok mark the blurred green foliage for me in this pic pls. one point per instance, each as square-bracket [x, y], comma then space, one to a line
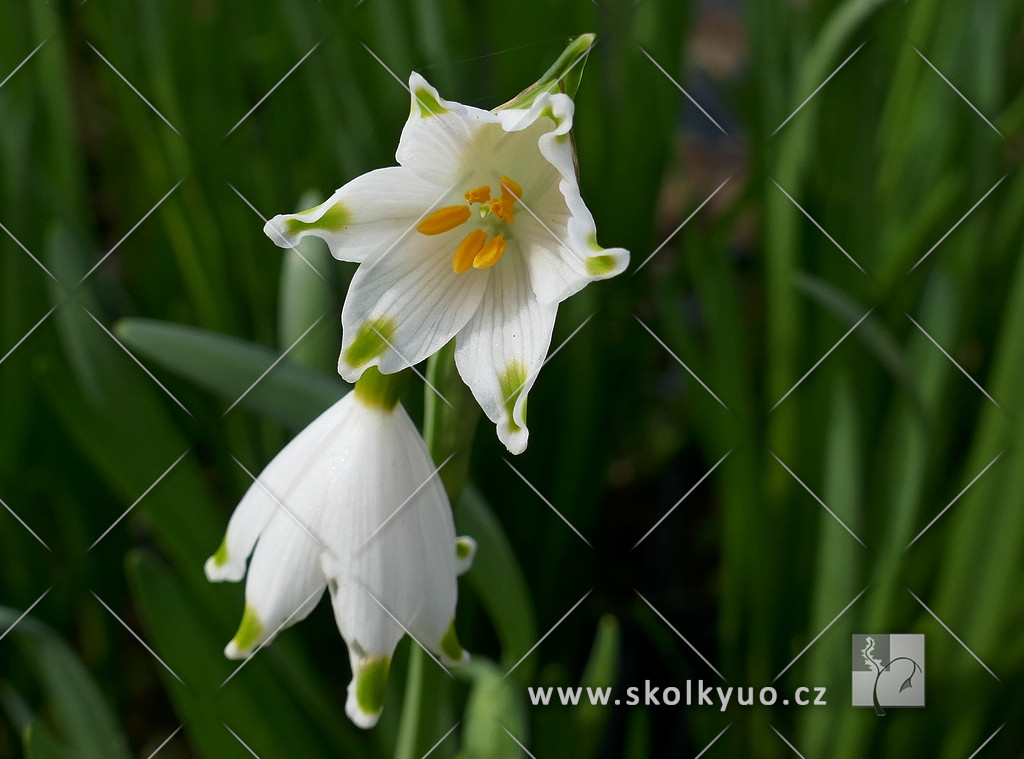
[749, 295]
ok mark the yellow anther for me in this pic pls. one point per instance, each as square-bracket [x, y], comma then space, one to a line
[443, 220]
[490, 254]
[502, 208]
[480, 195]
[466, 252]
[510, 189]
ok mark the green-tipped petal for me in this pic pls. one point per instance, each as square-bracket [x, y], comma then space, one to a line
[367, 690]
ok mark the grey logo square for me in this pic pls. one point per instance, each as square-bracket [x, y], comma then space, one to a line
[888, 671]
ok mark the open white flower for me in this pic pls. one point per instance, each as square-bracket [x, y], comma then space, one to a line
[478, 234]
[352, 504]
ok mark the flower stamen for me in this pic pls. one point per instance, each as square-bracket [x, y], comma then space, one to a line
[467, 251]
[480, 194]
[510, 189]
[443, 220]
[490, 254]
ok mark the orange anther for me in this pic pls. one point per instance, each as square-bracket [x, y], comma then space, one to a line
[490, 254]
[480, 195]
[502, 208]
[467, 250]
[443, 220]
[510, 189]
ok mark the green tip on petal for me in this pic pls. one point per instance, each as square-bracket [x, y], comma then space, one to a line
[334, 219]
[220, 558]
[512, 381]
[248, 631]
[464, 549]
[372, 684]
[424, 100]
[600, 265]
[371, 341]
[450, 645]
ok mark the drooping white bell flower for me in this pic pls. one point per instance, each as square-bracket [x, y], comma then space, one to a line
[478, 234]
[352, 504]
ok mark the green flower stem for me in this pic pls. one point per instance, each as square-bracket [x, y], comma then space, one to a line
[448, 431]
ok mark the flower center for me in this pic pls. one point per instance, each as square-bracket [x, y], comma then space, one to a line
[479, 249]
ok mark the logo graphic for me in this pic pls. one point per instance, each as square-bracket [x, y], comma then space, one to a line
[888, 671]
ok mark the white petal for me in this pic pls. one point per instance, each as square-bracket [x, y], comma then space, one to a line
[559, 234]
[276, 480]
[502, 348]
[407, 305]
[283, 586]
[394, 548]
[439, 134]
[363, 219]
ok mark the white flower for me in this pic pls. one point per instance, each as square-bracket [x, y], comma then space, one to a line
[478, 234]
[352, 504]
